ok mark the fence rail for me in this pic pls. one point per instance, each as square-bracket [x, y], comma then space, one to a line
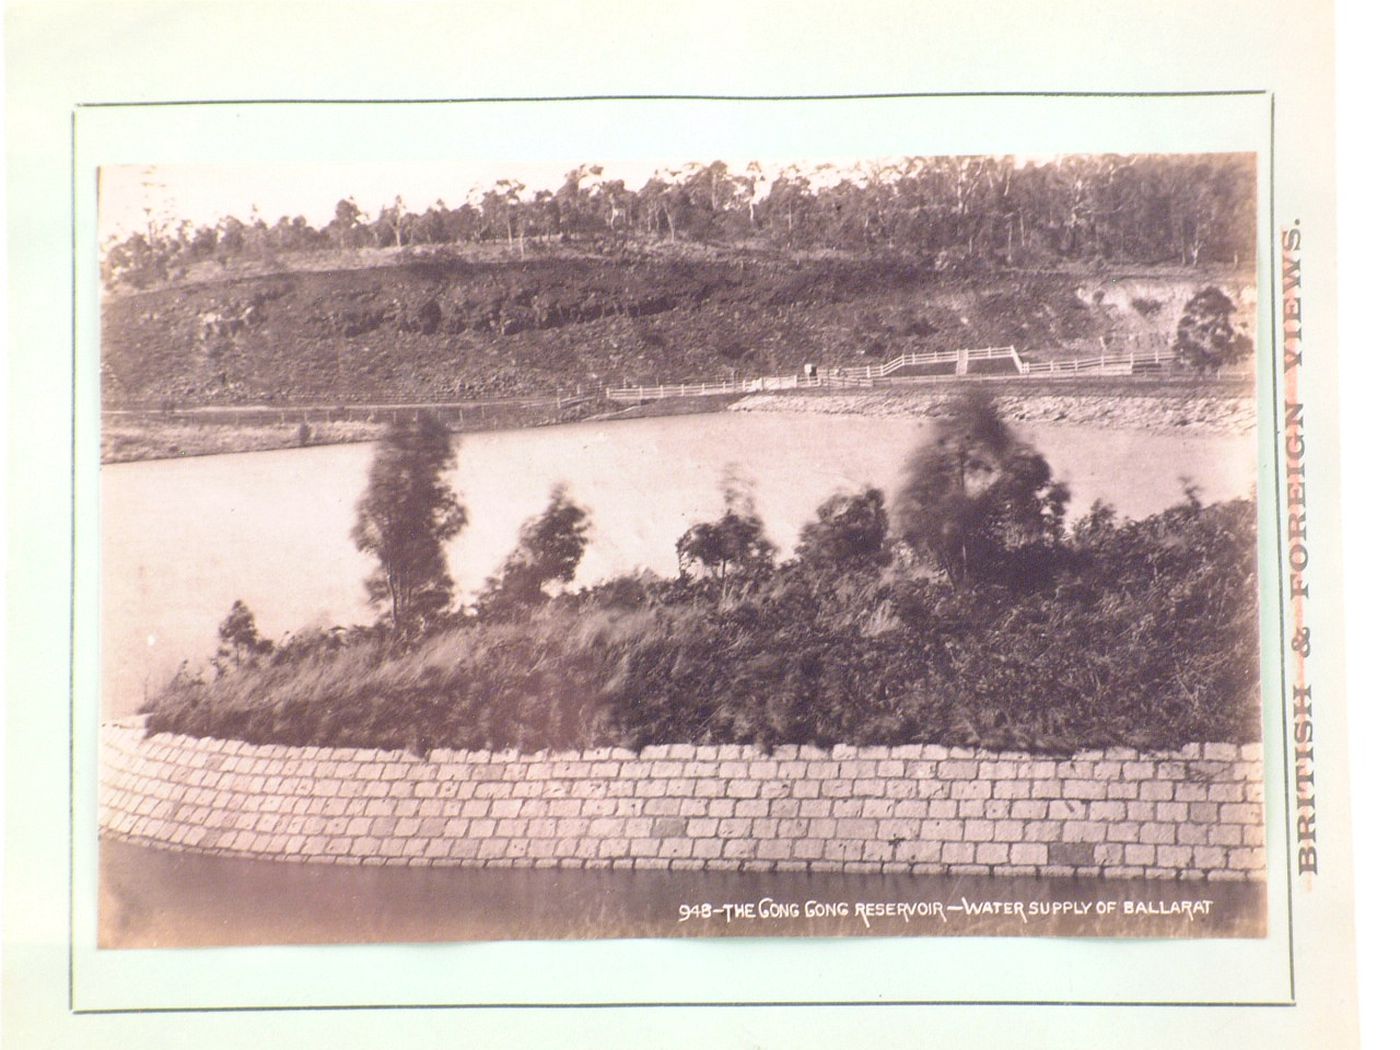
[1138, 362]
[856, 376]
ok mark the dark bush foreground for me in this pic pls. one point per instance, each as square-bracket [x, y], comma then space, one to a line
[1139, 633]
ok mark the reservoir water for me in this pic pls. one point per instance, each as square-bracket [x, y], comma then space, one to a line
[182, 539]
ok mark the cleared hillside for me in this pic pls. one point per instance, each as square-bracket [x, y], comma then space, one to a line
[445, 327]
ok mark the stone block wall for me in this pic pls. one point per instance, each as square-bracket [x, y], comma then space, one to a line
[1194, 813]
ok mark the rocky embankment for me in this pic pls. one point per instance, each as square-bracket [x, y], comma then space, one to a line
[1162, 411]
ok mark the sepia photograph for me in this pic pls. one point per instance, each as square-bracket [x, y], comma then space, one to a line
[687, 547]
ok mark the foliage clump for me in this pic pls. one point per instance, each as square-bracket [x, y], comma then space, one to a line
[850, 529]
[977, 500]
[548, 552]
[1206, 337]
[735, 543]
[240, 642]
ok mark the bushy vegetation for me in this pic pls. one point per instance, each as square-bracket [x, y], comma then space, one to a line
[550, 548]
[1139, 633]
[1144, 635]
[1206, 337]
[734, 544]
[977, 500]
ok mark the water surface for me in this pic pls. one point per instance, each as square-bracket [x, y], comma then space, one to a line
[156, 898]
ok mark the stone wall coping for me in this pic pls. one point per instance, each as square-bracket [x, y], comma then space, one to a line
[134, 727]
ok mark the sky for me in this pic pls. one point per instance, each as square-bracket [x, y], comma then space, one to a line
[205, 194]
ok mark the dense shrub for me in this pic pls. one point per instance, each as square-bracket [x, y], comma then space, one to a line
[733, 544]
[1206, 337]
[1144, 634]
[850, 529]
[550, 548]
[977, 499]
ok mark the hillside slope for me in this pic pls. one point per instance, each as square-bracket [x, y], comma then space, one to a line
[447, 328]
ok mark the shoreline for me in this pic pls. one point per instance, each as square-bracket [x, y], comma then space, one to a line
[1153, 412]
[1155, 405]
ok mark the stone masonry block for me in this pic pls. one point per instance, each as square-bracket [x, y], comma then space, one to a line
[1242, 813]
[1045, 830]
[1030, 809]
[992, 853]
[1138, 854]
[1156, 791]
[1226, 835]
[1109, 853]
[1085, 789]
[1008, 831]
[1174, 857]
[1159, 834]
[954, 770]
[978, 831]
[1173, 811]
[1107, 811]
[1226, 792]
[1011, 789]
[942, 830]
[977, 789]
[1124, 831]
[959, 852]
[1208, 857]
[675, 847]
[1084, 831]
[668, 827]
[1070, 853]
[1247, 859]
[903, 830]
[774, 849]
[1030, 853]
